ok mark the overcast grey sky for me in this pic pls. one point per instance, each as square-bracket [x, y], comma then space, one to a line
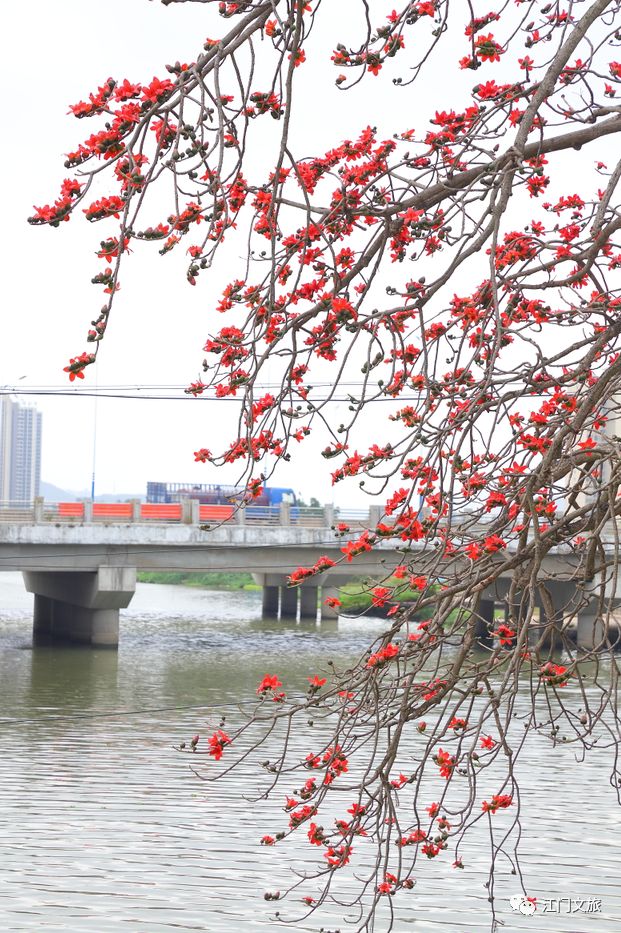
[159, 324]
[54, 55]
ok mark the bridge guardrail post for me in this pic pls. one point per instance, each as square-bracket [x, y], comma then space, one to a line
[88, 510]
[190, 511]
[240, 516]
[375, 515]
[37, 510]
[136, 510]
[328, 515]
[285, 513]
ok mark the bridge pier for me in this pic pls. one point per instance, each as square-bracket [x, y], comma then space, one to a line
[288, 602]
[308, 602]
[591, 631]
[484, 622]
[269, 604]
[595, 629]
[80, 607]
[548, 635]
[42, 619]
[328, 612]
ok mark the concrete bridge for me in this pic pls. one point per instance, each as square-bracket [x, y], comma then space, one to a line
[80, 561]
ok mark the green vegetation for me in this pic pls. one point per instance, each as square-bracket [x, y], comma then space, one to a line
[356, 597]
[212, 581]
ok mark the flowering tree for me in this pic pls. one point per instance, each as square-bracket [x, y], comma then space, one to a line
[462, 273]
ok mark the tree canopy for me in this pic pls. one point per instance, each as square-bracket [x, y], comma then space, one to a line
[456, 281]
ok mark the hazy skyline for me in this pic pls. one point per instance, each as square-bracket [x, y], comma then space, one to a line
[159, 325]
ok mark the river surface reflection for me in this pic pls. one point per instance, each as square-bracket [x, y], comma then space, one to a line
[105, 827]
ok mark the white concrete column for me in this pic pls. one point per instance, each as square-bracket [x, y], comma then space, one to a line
[308, 602]
[484, 620]
[548, 633]
[104, 628]
[96, 627]
[288, 602]
[591, 631]
[327, 612]
[42, 622]
[38, 507]
[82, 607]
[516, 611]
[375, 515]
[190, 511]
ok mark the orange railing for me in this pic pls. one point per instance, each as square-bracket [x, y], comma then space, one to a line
[70, 509]
[187, 512]
[153, 512]
[215, 513]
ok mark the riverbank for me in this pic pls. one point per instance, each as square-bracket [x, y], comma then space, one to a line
[355, 597]
[208, 581]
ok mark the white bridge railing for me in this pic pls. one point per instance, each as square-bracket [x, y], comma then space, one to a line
[188, 511]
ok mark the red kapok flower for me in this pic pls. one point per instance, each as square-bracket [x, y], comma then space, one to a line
[487, 49]
[498, 802]
[269, 682]
[217, 742]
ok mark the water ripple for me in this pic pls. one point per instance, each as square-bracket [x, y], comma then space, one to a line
[105, 828]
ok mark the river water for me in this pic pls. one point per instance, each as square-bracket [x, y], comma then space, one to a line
[104, 826]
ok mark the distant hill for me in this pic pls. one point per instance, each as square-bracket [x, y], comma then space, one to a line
[118, 496]
[52, 493]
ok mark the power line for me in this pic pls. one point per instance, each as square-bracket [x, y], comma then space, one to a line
[163, 393]
[140, 396]
[156, 385]
[113, 713]
[18, 565]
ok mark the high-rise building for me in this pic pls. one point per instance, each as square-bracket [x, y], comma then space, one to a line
[20, 452]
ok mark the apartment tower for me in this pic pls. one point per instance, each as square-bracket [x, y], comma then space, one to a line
[20, 452]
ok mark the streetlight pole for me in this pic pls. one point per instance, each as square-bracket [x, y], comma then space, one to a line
[94, 438]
